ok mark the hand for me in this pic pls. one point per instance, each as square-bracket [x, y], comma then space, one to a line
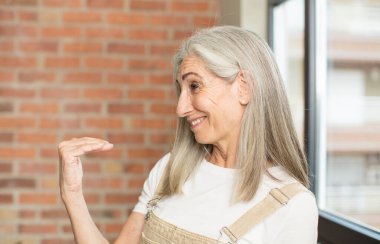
[70, 165]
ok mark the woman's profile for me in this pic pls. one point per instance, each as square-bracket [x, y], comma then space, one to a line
[236, 172]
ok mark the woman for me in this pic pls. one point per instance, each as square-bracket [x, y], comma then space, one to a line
[236, 172]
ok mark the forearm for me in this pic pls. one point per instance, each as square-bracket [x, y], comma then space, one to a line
[84, 228]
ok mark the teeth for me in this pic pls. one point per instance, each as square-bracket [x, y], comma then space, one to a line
[197, 121]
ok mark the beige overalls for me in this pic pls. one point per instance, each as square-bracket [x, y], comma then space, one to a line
[159, 231]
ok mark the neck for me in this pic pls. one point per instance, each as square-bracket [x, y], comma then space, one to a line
[223, 156]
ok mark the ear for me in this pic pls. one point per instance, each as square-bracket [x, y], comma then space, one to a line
[244, 89]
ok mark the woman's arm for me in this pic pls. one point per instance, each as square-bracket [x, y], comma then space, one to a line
[71, 174]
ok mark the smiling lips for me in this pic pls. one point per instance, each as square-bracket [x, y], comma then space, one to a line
[196, 122]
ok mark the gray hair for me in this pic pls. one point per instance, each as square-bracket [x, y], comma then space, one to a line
[267, 132]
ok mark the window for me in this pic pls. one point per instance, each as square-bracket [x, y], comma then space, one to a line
[352, 180]
[288, 47]
[341, 104]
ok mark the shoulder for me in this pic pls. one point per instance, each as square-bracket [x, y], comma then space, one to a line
[151, 183]
[297, 221]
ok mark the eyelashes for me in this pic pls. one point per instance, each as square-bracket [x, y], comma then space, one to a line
[194, 86]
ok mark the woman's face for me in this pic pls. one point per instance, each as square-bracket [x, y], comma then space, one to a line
[210, 104]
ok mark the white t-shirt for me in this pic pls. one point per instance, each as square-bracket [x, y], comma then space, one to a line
[205, 206]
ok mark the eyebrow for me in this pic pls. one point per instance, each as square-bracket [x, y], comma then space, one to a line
[190, 73]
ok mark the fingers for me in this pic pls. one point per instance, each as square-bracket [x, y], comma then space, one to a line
[80, 146]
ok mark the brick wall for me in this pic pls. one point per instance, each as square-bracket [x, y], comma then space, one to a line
[85, 68]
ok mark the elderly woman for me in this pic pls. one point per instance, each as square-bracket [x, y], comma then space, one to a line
[236, 173]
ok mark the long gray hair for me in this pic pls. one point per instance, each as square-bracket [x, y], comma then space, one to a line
[267, 132]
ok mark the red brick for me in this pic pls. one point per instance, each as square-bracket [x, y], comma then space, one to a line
[148, 34]
[49, 153]
[182, 34]
[5, 108]
[6, 15]
[57, 240]
[113, 228]
[18, 62]
[6, 76]
[135, 138]
[54, 214]
[36, 76]
[83, 108]
[82, 47]
[27, 214]
[5, 168]
[7, 152]
[24, 2]
[148, 123]
[37, 138]
[83, 77]
[62, 62]
[144, 153]
[59, 123]
[134, 168]
[60, 3]
[33, 168]
[166, 20]
[115, 153]
[17, 93]
[41, 46]
[6, 46]
[146, 94]
[161, 79]
[108, 33]
[17, 122]
[204, 21]
[103, 93]
[126, 18]
[59, 93]
[17, 183]
[92, 168]
[121, 198]
[38, 198]
[157, 64]
[6, 198]
[38, 228]
[39, 108]
[81, 17]
[162, 139]
[19, 31]
[189, 6]
[166, 50]
[126, 108]
[92, 198]
[58, 32]
[103, 182]
[109, 123]
[105, 4]
[126, 78]
[126, 48]
[155, 5]
[164, 109]
[7, 228]
[104, 63]
[28, 16]
[136, 183]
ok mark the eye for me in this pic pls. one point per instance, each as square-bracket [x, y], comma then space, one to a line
[194, 86]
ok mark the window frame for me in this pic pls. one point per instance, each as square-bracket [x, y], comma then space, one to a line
[332, 229]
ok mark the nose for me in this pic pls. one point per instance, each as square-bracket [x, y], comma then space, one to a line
[184, 106]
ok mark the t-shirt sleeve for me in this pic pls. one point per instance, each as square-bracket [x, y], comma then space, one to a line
[300, 223]
[150, 185]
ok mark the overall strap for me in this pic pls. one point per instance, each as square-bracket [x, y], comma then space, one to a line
[273, 201]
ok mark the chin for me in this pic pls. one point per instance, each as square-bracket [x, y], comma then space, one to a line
[202, 140]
